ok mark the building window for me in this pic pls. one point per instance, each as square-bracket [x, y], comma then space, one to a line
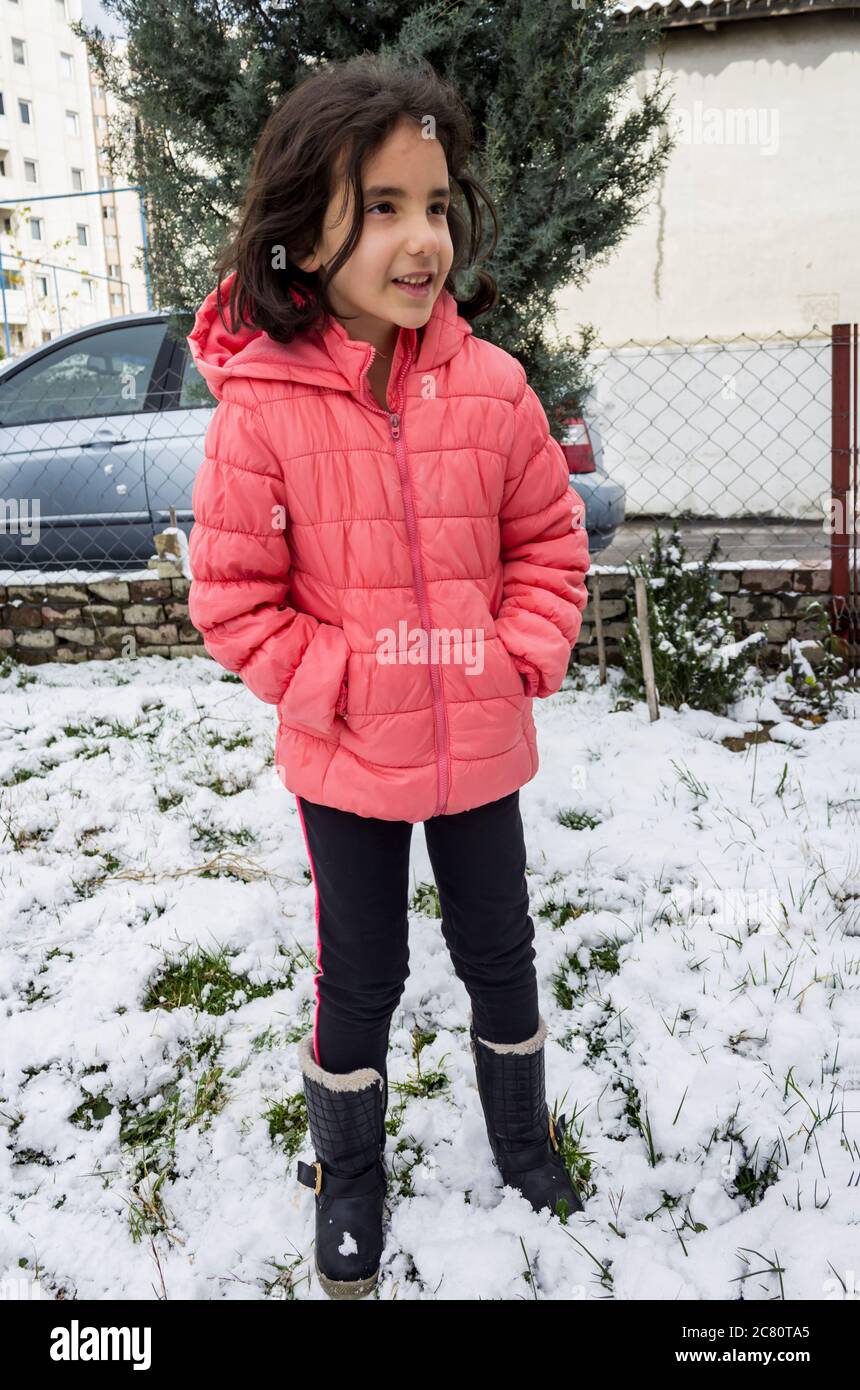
[116, 300]
[77, 180]
[98, 91]
[2, 167]
[104, 180]
[111, 242]
[7, 224]
[113, 271]
[2, 106]
[42, 285]
[100, 122]
[87, 287]
[30, 175]
[68, 66]
[61, 10]
[36, 228]
[82, 234]
[71, 122]
[108, 214]
[18, 54]
[24, 111]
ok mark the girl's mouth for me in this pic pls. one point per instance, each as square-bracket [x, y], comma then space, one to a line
[416, 291]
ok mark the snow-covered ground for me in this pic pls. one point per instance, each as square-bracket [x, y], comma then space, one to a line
[698, 954]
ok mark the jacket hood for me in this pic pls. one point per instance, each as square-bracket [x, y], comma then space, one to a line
[328, 358]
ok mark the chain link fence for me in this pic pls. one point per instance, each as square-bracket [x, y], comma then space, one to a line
[730, 437]
[101, 434]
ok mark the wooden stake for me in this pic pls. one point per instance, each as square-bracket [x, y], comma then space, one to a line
[598, 628]
[645, 648]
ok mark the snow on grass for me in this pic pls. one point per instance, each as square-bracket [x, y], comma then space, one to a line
[698, 956]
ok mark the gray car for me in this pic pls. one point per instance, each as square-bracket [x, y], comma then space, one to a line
[101, 433]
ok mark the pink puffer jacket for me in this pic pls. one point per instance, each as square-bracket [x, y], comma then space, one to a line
[399, 583]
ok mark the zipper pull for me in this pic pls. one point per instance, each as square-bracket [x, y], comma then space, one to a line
[394, 421]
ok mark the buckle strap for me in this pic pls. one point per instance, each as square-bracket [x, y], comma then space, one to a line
[315, 1176]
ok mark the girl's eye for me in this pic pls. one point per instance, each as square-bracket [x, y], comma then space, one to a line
[443, 209]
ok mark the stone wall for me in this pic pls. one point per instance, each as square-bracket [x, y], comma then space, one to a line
[773, 601]
[96, 621]
[84, 621]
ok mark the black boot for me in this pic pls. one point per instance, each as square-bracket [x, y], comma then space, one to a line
[346, 1120]
[524, 1136]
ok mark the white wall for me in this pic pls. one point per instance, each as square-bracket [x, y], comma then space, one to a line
[753, 230]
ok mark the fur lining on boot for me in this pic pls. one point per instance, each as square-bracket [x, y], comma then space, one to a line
[533, 1044]
[334, 1080]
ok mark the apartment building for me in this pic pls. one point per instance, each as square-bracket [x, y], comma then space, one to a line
[67, 261]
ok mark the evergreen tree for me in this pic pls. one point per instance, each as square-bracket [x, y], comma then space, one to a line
[696, 658]
[568, 149]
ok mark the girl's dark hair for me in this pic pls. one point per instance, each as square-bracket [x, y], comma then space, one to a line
[341, 111]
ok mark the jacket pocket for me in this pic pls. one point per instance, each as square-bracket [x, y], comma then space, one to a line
[314, 693]
[528, 673]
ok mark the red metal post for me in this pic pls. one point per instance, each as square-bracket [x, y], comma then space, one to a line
[844, 432]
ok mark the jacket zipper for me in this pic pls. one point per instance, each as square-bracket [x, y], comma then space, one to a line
[443, 750]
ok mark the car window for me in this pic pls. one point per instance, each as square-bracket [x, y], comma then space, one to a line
[194, 391]
[106, 374]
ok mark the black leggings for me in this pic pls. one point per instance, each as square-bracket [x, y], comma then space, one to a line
[360, 868]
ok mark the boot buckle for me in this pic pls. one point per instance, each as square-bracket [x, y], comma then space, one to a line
[311, 1174]
[556, 1130]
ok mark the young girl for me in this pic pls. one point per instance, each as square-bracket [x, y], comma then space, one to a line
[386, 546]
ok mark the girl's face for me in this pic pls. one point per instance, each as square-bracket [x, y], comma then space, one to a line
[405, 232]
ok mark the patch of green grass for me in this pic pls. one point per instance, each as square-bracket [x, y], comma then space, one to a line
[21, 1156]
[204, 980]
[111, 863]
[559, 913]
[425, 899]
[756, 1175]
[571, 980]
[233, 787]
[301, 1026]
[421, 1084]
[288, 1123]
[577, 820]
[23, 675]
[21, 774]
[215, 739]
[577, 1160]
[285, 1282]
[213, 838]
[169, 800]
[92, 1110]
[32, 995]
[594, 1034]
[408, 1153]
[193, 1097]
[633, 1115]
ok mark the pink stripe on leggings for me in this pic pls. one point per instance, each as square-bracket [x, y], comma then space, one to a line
[319, 943]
